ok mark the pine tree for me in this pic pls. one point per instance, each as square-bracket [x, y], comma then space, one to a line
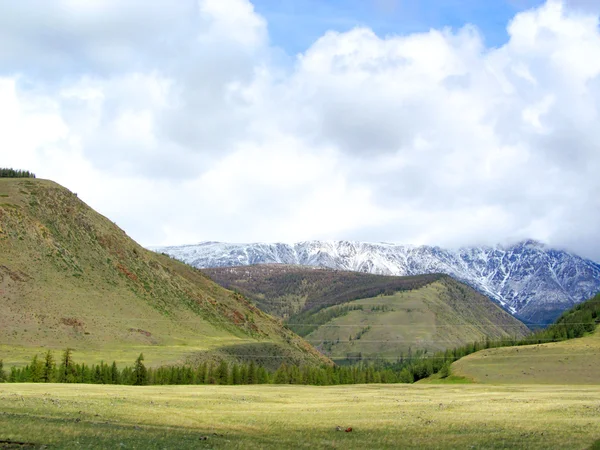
[115, 377]
[445, 371]
[96, 375]
[281, 375]
[201, 373]
[67, 371]
[49, 368]
[140, 374]
[127, 376]
[244, 374]
[222, 373]
[2, 372]
[236, 377]
[36, 370]
[208, 374]
[252, 374]
[263, 375]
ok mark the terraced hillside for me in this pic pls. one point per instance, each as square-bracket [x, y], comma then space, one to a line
[71, 277]
[356, 315]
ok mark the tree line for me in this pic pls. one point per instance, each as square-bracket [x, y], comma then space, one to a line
[12, 173]
[48, 370]
[574, 323]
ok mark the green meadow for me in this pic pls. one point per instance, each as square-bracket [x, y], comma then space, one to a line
[573, 362]
[239, 417]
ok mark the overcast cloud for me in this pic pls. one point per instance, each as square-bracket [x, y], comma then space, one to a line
[182, 122]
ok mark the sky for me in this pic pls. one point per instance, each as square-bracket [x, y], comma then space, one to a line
[440, 122]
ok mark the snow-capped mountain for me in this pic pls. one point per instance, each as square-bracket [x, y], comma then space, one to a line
[531, 280]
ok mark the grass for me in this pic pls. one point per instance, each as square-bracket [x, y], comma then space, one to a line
[452, 379]
[122, 354]
[236, 417]
[70, 277]
[390, 314]
[435, 317]
[576, 361]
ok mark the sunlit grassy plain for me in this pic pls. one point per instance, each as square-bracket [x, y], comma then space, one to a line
[382, 416]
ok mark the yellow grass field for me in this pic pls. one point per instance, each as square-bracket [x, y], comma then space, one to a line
[270, 416]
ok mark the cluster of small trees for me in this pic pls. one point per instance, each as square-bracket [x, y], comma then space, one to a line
[12, 173]
[305, 323]
[47, 370]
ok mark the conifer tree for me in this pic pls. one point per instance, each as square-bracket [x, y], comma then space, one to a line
[67, 370]
[281, 375]
[2, 372]
[49, 368]
[208, 374]
[244, 374]
[201, 373]
[236, 375]
[252, 374]
[36, 370]
[115, 377]
[445, 370]
[263, 375]
[140, 373]
[222, 373]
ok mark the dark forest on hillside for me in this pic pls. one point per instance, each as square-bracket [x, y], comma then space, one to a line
[12, 173]
[321, 287]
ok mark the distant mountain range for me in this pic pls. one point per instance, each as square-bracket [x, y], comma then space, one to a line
[532, 281]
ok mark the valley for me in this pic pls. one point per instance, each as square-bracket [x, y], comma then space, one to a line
[300, 224]
[69, 277]
[275, 417]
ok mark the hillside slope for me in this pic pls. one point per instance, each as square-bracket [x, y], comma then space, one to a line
[351, 314]
[534, 282]
[576, 361]
[70, 277]
[572, 361]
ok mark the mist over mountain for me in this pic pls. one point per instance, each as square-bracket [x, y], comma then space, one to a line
[531, 280]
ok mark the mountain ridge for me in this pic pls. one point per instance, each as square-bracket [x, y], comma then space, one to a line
[532, 280]
[351, 314]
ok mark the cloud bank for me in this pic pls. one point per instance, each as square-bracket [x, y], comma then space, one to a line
[182, 122]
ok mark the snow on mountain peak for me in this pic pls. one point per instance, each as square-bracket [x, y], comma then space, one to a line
[531, 280]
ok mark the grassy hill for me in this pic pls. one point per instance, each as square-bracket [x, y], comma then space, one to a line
[71, 277]
[572, 361]
[350, 314]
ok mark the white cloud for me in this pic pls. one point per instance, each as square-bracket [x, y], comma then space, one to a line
[175, 120]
